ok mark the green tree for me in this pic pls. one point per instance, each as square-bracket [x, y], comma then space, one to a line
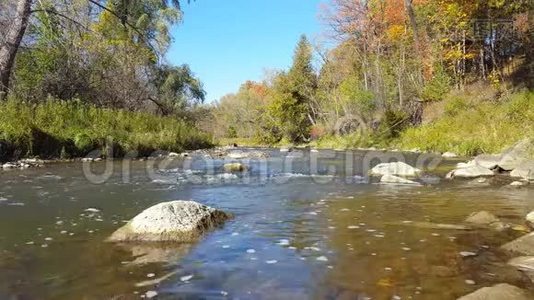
[294, 94]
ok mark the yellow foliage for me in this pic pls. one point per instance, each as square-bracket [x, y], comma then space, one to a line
[396, 32]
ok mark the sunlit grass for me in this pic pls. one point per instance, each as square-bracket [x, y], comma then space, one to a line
[61, 128]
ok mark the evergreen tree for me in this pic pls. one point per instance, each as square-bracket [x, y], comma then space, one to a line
[293, 95]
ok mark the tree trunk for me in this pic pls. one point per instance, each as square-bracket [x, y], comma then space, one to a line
[13, 38]
[408, 6]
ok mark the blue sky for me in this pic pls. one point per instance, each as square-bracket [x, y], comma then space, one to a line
[228, 42]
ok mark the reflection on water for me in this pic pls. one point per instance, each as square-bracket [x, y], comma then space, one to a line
[293, 237]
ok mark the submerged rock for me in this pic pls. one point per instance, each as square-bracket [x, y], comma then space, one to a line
[176, 221]
[391, 179]
[498, 292]
[523, 245]
[395, 168]
[430, 225]
[482, 218]
[234, 167]
[470, 172]
[519, 183]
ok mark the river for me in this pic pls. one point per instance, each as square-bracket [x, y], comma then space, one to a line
[333, 235]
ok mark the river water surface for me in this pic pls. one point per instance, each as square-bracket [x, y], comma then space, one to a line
[294, 236]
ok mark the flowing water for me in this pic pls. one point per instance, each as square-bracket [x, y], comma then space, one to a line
[334, 235]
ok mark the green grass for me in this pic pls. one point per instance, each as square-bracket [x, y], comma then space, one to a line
[473, 128]
[68, 129]
[467, 127]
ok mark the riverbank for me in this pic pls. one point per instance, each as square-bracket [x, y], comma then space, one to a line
[63, 130]
[462, 124]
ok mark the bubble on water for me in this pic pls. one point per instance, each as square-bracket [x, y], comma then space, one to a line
[353, 227]
[379, 235]
[30, 243]
[226, 246]
[283, 242]
[44, 245]
[186, 278]
[406, 248]
[224, 293]
[331, 227]
[235, 233]
[48, 239]
[322, 258]
[92, 210]
[251, 251]
[270, 262]
[344, 209]
[90, 231]
[373, 254]
[467, 253]
[292, 248]
[59, 223]
[71, 234]
[422, 241]
[388, 269]
[470, 282]
[395, 297]
[371, 230]
[362, 224]
[151, 294]
[313, 213]
[435, 234]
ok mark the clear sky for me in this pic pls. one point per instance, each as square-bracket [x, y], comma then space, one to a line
[228, 42]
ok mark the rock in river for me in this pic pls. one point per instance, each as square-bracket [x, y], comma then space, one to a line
[395, 168]
[482, 218]
[525, 171]
[516, 155]
[523, 245]
[235, 167]
[176, 221]
[500, 291]
[470, 172]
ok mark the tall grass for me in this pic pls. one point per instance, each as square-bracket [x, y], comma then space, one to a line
[70, 128]
[469, 128]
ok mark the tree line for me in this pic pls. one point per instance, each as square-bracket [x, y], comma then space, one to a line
[390, 59]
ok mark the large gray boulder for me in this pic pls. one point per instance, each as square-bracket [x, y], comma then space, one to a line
[502, 291]
[471, 171]
[395, 168]
[525, 171]
[514, 157]
[523, 245]
[488, 161]
[176, 221]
